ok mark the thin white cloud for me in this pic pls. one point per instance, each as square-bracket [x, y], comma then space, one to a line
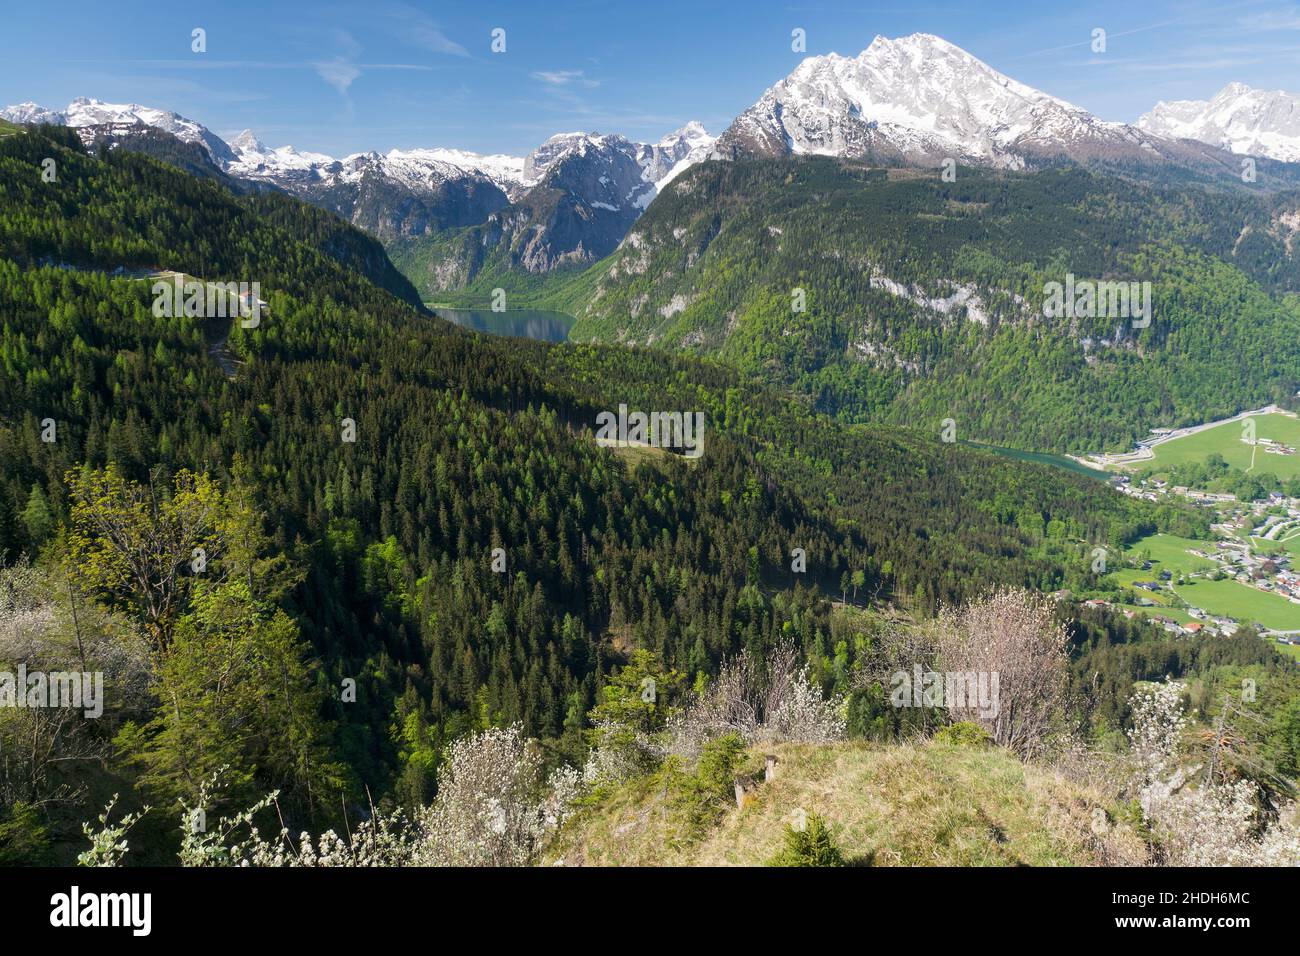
[419, 29]
[434, 40]
[1162, 66]
[341, 70]
[1190, 18]
[348, 44]
[197, 63]
[564, 78]
[1271, 21]
[338, 73]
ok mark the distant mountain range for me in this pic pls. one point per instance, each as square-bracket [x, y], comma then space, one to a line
[404, 193]
[85, 112]
[912, 101]
[920, 100]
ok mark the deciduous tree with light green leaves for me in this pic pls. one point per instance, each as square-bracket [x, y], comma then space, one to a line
[233, 685]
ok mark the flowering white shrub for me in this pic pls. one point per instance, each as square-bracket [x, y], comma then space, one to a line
[564, 788]
[38, 631]
[1216, 824]
[1155, 739]
[493, 809]
[108, 844]
[380, 841]
[623, 754]
[802, 715]
[25, 612]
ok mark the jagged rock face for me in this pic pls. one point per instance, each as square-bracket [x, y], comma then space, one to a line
[674, 154]
[578, 213]
[588, 192]
[394, 196]
[1238, 118]
[385, 210]
[603, 173]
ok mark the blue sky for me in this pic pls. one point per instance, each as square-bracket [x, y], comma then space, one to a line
[405, 73]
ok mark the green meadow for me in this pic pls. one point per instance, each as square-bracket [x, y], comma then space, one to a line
[1287, 540]
[1233, 599]
[1226, 598]
[1225, 440]
[1168, 552]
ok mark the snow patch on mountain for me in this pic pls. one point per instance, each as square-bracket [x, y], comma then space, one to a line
[506, 171]
[33, 113]
[254, 160]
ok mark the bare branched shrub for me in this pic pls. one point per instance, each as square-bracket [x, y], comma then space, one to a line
[898, 647]
[41, 630]
[802, 715]
[1011, 633]
[731, 703]
[773, 703]
[623, 754]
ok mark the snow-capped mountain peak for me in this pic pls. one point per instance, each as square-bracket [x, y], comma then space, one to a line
[675, 153]
[247, 142]
[33, 113]
[916, 98]
[693, 134]
[86, 111]
[613, 156]
[285, 166]
[1238, 118]
[504, 170]
[561, 146]
[419, 170]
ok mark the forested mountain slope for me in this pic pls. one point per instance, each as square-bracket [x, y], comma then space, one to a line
[463, 444]
[150, 216]
[891, 295]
